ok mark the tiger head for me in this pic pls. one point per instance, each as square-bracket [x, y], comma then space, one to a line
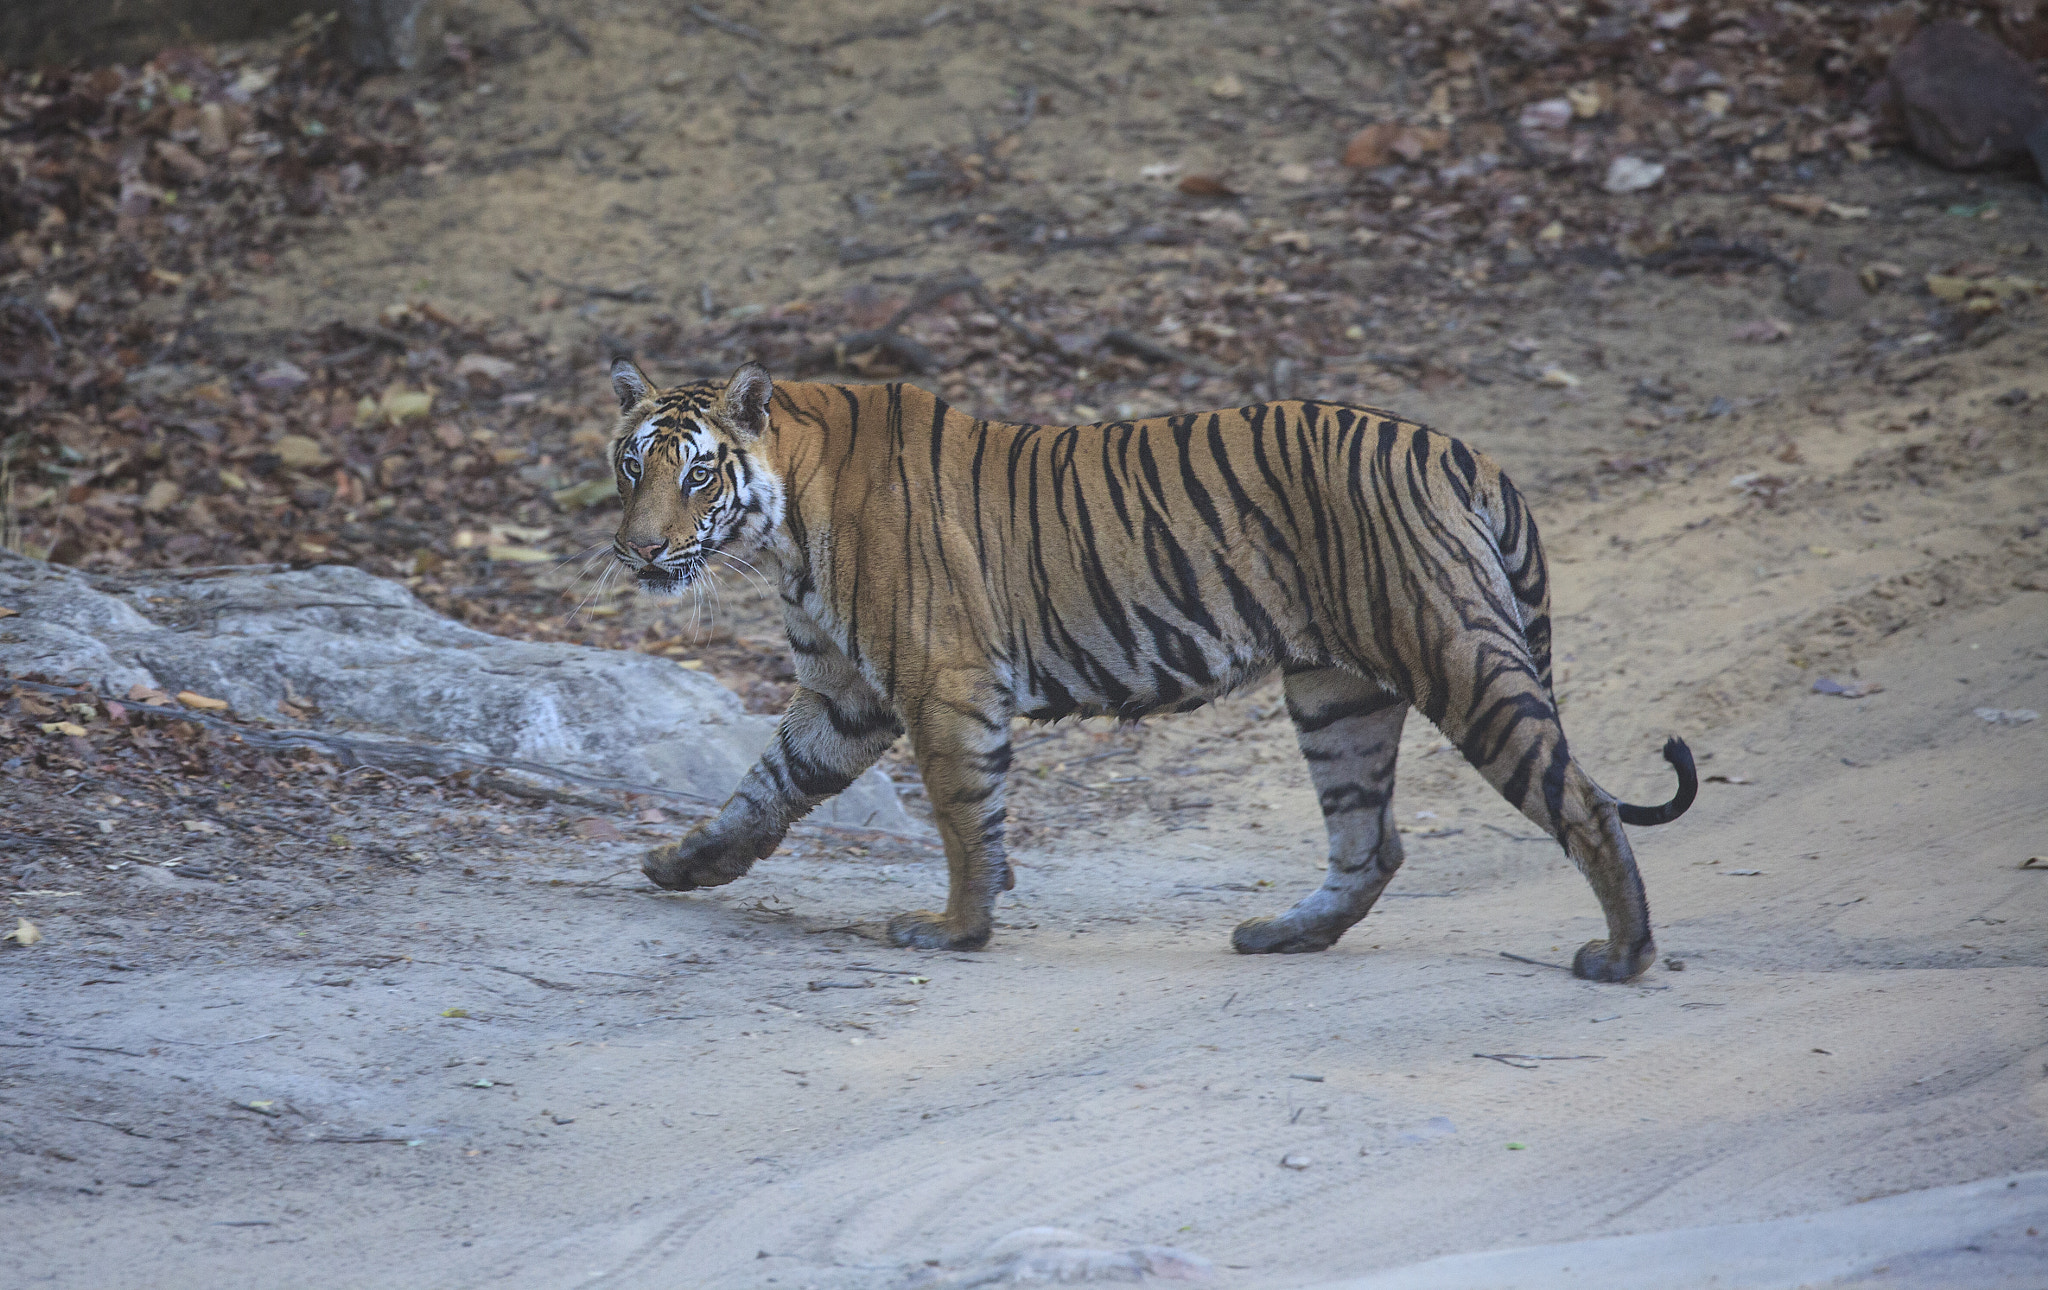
[689, 473]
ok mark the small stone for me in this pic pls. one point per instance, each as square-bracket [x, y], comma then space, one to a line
[1632, 175]
[1295, 1162]
[1226, 86]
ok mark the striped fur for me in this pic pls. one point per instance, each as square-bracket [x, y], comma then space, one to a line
[944, 574]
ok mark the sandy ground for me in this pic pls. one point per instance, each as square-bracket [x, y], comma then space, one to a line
[484, 1053]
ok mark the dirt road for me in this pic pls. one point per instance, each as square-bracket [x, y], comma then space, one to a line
[430, 1038]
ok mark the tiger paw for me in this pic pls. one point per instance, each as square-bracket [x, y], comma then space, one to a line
[697, 860]
[924, 930]
[1282, 935]
[1599, 961]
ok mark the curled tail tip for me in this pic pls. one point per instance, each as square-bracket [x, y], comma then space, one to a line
[1680, 757]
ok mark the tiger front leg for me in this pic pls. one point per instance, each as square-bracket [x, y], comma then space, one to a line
[962, 741]
[825, 740]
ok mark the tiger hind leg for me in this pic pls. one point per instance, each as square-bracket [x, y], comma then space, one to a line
[1503, 719]
[1350, 731]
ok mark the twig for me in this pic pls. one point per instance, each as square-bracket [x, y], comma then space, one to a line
[232, 1043]
[728, 26]
[1533, 962]
[542, 982]
[109, 1124]
[1527, 1061]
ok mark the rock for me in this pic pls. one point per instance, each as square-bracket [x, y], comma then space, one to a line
[377, 662]
[1826, 293]
[1966, 101]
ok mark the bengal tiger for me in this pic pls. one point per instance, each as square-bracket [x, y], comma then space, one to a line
[944, 574]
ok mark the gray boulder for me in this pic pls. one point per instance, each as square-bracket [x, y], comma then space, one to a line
[371, 659]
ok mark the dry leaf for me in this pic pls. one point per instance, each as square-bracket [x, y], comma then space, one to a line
[24, 933]
[519, 554]
[61, 728]
[1372, 147]
[297, 452]
[598, 829]
[5, 612]
[1416, 142]
[1763, 331]
[200, 701]
[201, 826]
[1206, 186]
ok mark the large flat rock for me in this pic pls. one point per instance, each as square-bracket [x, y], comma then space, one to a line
[371, 658]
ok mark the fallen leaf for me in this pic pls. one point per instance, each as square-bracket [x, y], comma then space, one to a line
[581, 496]
[519, 554]
[162, 496]
[491, 370]
[62, 728]
[24, 934]
[140, 693]
[1764, 331]
[297, 452]
[1557, 378]
[1807, 204]
[5, 612]
[1413, 143]
[1586, 101]
[455, 1012]
[598, 829]
[201, 826]
[1372, 147]
[200, 701]
[1205, 186]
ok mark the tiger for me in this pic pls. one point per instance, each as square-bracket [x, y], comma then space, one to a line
[943, 574]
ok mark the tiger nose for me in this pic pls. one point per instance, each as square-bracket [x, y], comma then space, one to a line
[647, 550]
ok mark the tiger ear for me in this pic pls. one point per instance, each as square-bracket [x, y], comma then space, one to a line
[746, 400]
[629, 383]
